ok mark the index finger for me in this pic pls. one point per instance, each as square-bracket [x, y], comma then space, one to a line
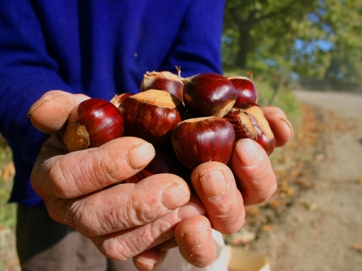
[78, 173]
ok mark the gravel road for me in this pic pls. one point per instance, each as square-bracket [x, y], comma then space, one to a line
[322, 231]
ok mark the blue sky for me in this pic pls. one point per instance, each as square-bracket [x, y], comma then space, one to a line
[309, 47]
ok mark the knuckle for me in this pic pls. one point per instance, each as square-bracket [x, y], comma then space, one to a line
[84, 220]
[57, 184]
[260, 192]
[113, 249]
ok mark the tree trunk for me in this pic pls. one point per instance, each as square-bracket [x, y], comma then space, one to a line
[244, 43]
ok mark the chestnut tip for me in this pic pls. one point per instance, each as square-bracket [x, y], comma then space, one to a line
[76, 137]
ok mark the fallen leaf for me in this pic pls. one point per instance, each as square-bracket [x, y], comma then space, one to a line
[357, 247]
[8, 171]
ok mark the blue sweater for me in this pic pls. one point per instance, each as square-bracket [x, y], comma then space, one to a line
[96, 47]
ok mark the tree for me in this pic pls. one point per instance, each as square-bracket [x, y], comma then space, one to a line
[250, 25]
[309, 37]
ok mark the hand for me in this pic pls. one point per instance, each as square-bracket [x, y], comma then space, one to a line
[71, 195]
[217, 188]
[225, 204]
[81, 189]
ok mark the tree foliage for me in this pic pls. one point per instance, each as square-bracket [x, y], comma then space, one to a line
[306, 37]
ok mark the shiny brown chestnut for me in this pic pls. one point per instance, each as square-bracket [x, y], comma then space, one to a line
[163, 80]
[91, 124]
[204, 139]
[249, 122]
[208, 94]
[152, 115]
[245, 90]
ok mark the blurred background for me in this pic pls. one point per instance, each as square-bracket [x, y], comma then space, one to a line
[306, 58]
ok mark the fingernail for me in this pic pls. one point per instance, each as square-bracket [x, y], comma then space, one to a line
[140, 155]
[34, 107]
[213, 183]
[145, 263]
[175, 196]
[248, 152]
[197, 238]
[189, 210]
[288, 124]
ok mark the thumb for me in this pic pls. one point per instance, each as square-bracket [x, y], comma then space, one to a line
[51, 111]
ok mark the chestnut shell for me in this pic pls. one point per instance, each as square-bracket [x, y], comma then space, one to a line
[163, 81]
[249, 122]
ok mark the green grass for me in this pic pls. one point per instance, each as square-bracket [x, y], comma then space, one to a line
[8, 260]
[7, 210]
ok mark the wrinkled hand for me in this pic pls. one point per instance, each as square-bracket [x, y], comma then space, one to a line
[217, 188]
[143, 220]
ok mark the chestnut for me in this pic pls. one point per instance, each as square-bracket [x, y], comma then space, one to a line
[152, 115]
[249, 122]
[91, 124]
[208, 94]
[245, 90]
[163, 80]
[203, 139]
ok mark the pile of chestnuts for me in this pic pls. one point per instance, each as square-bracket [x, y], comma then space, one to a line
[189, 120]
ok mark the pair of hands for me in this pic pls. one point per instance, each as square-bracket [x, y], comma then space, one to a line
[143, 220]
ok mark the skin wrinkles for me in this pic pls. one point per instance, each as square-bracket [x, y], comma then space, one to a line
[81, 219]
[97, 221]
[221, 215]
[194, 235]
[111, 248]
[104, 168]
[259, 189]
[109, 217]
[135, 214]
[49, 171]
[95, 172]
[223, 202]
[263, 194]
[135, 210]
[125, 246]
[144, 209]
[200, 249]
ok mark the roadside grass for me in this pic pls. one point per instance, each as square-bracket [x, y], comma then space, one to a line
[8, 260]
[7, 171]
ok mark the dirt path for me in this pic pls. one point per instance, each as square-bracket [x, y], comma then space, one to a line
[321, 230]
